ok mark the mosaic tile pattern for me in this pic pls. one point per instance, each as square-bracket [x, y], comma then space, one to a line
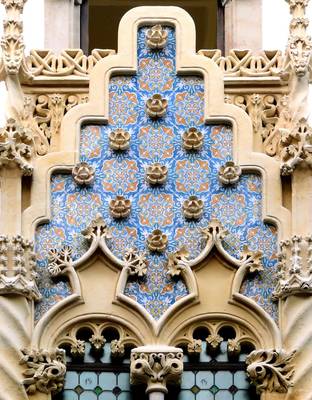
[122, 173]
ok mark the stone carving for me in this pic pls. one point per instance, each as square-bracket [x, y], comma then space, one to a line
[12, 43]
[213, 329]
[83, 174]
[60, 261]
[264, 111]
[299, 43]
[156, 174]
[98, 229]
[156, 37]
[120, 207]
[177, 262]
[251, 259]
[270, 370]
[157, 241]
[229, 173]
[214, 231]
[117, 348]
[45, 370]
[192, 139]
[98, 334]
[156, 367]
[18, 267]
[295, 267]
[43, 114]
[119, 139]
[244, 63]
[16, 146]
[193, 208]
[69, 62]
[156, 106]
[135, 262]
[295, 146]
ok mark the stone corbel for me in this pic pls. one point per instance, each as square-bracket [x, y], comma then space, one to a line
[156, 366]
[270, 370]
[45, 370]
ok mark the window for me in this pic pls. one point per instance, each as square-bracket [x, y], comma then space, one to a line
[100, 20]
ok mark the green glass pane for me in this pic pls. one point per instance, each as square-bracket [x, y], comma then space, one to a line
[214, 389]
[98, 390]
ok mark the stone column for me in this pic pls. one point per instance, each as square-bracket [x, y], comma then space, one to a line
[156, 366]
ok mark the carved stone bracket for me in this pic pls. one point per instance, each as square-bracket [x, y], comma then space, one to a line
[295, 267]
[156, 366]
[45, 370]
[17, 267]
[270, 370]
[16, 146]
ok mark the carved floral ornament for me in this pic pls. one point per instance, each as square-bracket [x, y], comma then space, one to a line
[192, 139]
[83, 174]
[157, 241]
[193, 208]
[229, 173]
[156, 174]
[119, 139]
[120, 207]
[177, 262]
[135, 262]
[156, 37]
[156, 106]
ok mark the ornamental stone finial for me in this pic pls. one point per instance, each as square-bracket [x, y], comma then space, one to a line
[270, 370]
[156, 366]
[17, 267]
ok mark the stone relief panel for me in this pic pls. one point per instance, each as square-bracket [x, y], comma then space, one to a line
[156, 113]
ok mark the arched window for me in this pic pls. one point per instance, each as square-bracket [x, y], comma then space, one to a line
[214, 366]
[100, 19]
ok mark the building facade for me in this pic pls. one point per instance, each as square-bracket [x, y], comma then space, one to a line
[155, 207]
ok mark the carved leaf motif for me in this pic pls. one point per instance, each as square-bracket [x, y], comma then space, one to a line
[270, 370]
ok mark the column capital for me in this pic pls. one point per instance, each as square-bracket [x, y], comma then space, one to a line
[156, 366]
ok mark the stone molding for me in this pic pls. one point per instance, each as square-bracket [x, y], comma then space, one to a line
[17, 267]
[295, 267]
[270, 370]
[156, 366]
[45, 370]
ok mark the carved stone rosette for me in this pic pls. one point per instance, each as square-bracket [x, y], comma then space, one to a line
[156, 366]
[17, 267]
[45, 370]
[295, 267]
[270, 370]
